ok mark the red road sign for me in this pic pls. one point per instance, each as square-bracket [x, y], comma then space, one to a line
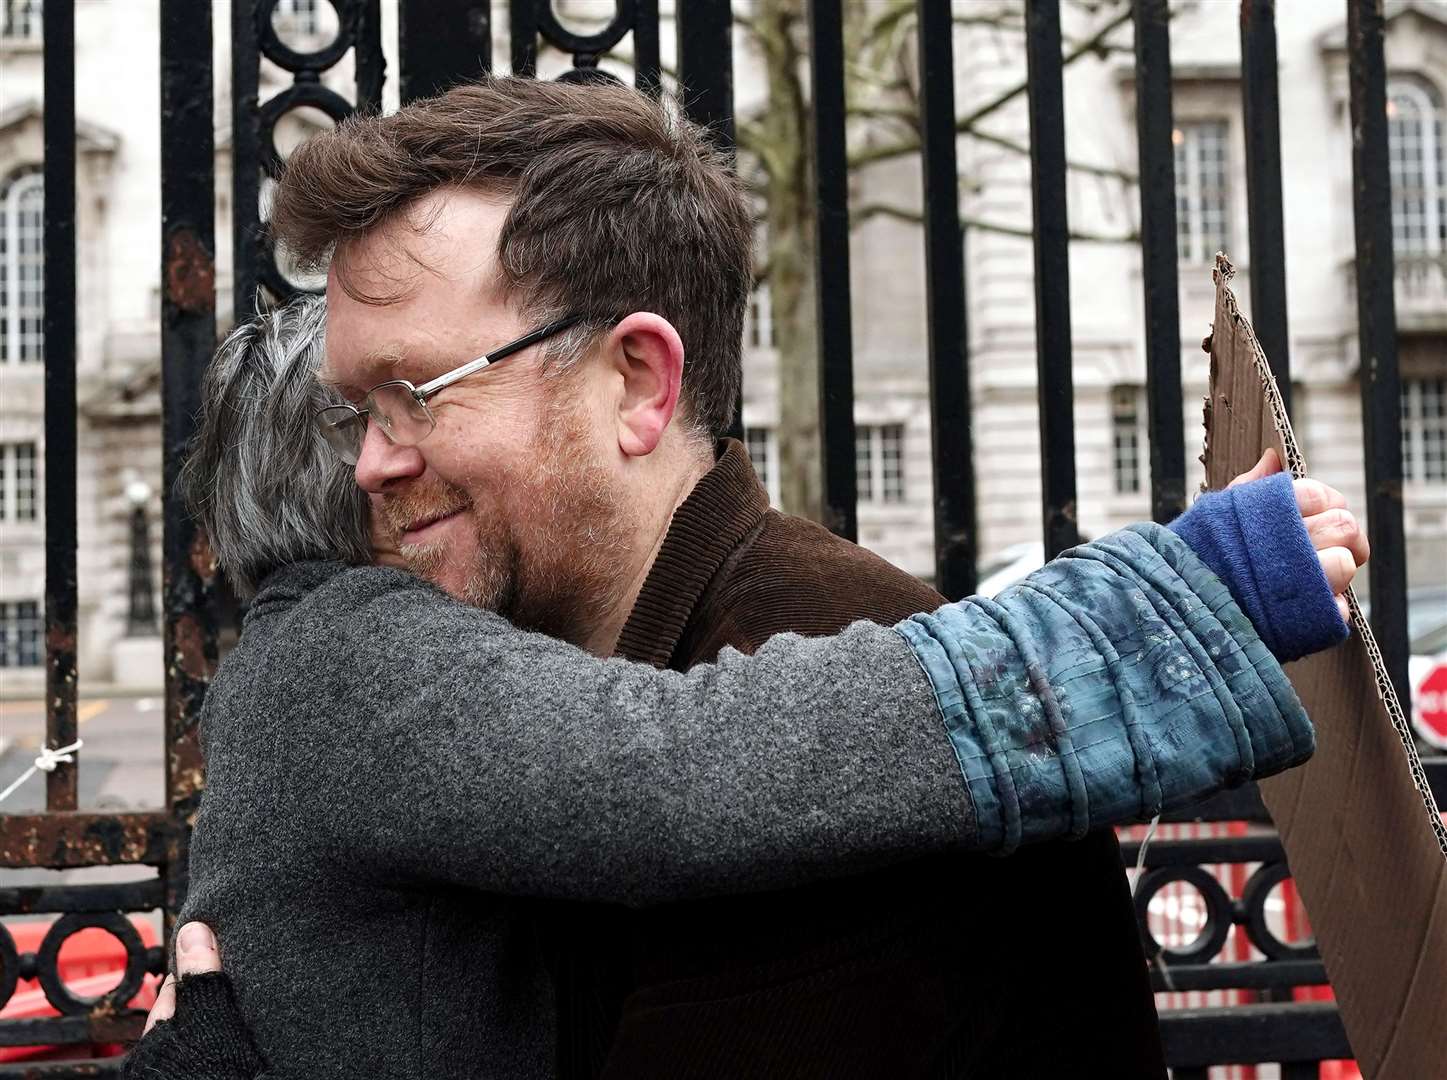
[1430, 715]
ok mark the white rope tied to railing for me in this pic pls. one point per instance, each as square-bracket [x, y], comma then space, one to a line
[1140, 866]
[47, 760]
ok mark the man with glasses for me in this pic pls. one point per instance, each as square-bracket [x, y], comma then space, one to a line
[535, 303]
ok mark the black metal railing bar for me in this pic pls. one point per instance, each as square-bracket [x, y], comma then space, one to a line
[1055, 387]
[1159, 255]
[253, 122]
[947, 330]
[706, 89]
[706, 68]
[1381, 385]
[246, 229]
[1266, 230]
[833, 308]
[61, 727]
[188, 338]
[523, 31]
[647, 58]
[441, 45]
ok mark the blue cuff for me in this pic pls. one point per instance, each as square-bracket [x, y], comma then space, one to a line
[1253, 538]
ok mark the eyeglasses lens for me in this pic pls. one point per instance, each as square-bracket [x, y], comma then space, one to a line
[344, 429]
[404, 419]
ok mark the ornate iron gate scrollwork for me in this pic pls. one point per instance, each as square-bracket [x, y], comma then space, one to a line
[253, 36]
[444, 42]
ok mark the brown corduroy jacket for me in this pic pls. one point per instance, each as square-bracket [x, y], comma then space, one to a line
[959, 966]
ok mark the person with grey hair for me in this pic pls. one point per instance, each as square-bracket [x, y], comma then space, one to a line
[257, 480]
[391, 773]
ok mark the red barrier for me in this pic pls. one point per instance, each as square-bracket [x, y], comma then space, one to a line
[90, 964]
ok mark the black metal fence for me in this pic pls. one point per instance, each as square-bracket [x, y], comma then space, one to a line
[442, 42]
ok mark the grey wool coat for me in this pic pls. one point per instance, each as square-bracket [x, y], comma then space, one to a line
[392, 775]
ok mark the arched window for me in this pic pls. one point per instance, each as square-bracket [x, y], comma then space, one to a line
[1419, 168]
[22, 269]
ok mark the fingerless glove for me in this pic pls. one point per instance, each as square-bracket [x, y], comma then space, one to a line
[206, 1040]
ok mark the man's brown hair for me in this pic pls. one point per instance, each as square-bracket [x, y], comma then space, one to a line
[617, 205]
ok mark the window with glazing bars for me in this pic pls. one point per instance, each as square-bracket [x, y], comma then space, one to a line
[20, 637]
[22, 20]
[1418, 168]
[18, 496]
[1203, 190]
[760, 331]
[879, 462]
[1126, 435]
[303, 16]
[762, 443]
[22, 269]
[1424, 430]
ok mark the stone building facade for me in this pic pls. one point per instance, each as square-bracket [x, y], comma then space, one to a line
[119, 221]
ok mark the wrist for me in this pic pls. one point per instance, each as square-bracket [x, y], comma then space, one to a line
[1253, 538]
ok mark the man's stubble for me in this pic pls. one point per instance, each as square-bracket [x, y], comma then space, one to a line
[556, 569]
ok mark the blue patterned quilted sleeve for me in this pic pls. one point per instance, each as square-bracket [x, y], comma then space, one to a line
[1119, 680]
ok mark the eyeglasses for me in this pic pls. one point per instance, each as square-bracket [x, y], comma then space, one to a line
[400, 409]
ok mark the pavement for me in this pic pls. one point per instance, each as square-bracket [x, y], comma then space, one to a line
[122, 767]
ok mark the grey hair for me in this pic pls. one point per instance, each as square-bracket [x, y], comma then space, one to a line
[260, 478]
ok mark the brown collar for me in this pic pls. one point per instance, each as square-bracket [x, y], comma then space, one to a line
[720, 511]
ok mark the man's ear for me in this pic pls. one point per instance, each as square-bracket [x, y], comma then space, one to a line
[646, 351]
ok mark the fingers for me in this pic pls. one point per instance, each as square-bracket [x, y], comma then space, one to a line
[1338, 527]
[196, 950]
[1314, 497]
[165, 1006]
[1344, 608]
[1339, 566]
[1268, 464]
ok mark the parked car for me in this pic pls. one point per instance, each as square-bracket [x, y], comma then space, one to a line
[1427, 663]
[1008, 566]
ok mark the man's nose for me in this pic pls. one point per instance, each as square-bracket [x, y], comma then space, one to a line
[382, 462]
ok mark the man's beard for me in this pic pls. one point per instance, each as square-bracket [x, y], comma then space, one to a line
[559, 569]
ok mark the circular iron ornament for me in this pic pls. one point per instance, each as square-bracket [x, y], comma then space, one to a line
[277, 283]
[1253, 899]
[282, 54]
[1212, 937]
[590, 76]
[9, 965]
[587, 47]
[299, 95]
[48, 956]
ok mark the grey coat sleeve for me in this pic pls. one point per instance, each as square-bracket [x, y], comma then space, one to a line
[439, 743]
[435, 742]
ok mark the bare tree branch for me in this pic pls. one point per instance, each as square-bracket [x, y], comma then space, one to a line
[914, 217]
[860, 215]
[1000, 20]
[1079, 166]
[966, 124]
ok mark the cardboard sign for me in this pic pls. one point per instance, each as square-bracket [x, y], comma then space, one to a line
[1363, 836]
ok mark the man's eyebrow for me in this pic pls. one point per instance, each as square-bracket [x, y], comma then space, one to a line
[379, 364]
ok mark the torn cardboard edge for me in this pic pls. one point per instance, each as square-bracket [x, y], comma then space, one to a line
[1363, 836]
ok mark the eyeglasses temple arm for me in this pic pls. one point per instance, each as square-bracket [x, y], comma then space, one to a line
[426, 390]
[442, 382]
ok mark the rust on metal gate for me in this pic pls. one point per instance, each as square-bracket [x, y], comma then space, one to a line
[190, 272]
[80, 838]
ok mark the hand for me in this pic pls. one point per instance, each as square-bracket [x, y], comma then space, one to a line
[196, 954]
[195, 1031]
[1340, 543]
